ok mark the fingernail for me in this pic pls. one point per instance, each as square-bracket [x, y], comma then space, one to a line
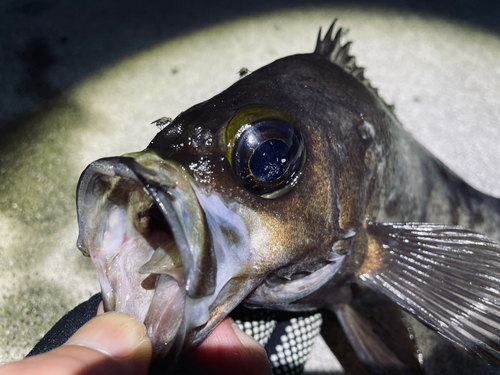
[115, 334]
[251, 345]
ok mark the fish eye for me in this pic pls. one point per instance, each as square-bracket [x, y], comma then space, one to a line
[265, 149]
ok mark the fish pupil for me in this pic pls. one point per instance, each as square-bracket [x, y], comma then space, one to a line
[270, 160]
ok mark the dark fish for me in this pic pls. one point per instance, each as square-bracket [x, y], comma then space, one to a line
[295, 189]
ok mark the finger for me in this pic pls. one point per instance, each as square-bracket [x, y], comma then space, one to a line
[111, 343]
[229, 350]
[100, 309]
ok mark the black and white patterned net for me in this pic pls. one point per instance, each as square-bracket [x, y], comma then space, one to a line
[287, 337]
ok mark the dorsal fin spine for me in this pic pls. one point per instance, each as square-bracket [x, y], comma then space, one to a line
[335, 52]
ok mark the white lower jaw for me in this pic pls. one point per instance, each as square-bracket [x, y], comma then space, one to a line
[164, 320]
[159, 303]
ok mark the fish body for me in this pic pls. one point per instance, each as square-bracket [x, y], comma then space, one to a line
[295, 189]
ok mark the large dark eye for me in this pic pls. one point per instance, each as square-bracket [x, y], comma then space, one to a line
[265, 149]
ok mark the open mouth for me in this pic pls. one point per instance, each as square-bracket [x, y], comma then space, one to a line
[165, 251]
[137, 226]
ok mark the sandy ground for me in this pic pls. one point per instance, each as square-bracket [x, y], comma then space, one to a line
[443, 77]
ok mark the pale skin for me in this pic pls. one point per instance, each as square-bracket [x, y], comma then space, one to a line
[116, 343]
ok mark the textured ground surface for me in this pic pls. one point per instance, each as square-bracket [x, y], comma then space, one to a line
[108, 82]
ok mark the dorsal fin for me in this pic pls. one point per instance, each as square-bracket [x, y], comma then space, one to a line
[334, 51]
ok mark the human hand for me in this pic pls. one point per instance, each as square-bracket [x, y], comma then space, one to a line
[117, 343]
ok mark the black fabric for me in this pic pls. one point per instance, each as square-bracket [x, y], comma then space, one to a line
[286, 324]
[67, 326]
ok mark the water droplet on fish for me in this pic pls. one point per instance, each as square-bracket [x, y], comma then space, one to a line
[366, 130]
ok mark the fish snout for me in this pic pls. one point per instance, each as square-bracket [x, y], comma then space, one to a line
[158, 199]
[141, 223]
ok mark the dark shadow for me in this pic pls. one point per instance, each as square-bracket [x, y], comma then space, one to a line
[47, 45]
[446, 359]
[339, 344]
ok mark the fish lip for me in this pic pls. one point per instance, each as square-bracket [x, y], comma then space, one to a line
[198, 284]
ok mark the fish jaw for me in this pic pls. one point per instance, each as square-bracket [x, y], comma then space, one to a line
[158, 254]
[281, 293]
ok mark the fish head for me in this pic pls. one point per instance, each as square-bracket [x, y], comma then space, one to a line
[251, 197]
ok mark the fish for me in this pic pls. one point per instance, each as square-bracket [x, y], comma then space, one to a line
[296, 189]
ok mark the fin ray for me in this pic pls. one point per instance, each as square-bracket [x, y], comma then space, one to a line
[449, 279]
[380, 335]
[446, 276]
[334, 51]
[446, 305]
[449, 332]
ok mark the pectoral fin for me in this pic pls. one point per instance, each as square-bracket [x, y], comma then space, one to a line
[448, 277]
[379, 335]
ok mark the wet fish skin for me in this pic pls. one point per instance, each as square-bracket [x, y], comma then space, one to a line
[322, 244]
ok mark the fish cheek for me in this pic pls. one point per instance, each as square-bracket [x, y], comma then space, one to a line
[327, 204]
[298, 244]
[303, 222]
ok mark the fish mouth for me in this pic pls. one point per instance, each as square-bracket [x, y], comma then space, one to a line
[178, 258]
[141, 223]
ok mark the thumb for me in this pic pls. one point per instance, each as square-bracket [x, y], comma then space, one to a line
[111, 343]
[227, 351]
